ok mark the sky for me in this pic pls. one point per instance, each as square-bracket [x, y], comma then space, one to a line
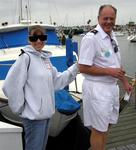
[65, 12]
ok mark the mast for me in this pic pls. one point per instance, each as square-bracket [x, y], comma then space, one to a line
[27, 18]
[21, 14]
[29, 12]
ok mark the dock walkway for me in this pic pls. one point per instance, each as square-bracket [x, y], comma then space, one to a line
[122, 136]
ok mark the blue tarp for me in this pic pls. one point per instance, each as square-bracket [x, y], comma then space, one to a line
[65, 103]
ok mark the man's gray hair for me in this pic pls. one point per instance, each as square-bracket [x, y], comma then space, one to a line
[107, 5]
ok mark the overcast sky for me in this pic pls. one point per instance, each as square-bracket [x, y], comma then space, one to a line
[66, 12]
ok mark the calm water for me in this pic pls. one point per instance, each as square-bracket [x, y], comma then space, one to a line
[128, 54]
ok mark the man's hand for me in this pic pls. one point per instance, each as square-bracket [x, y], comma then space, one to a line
[127, 86]
[116, 72]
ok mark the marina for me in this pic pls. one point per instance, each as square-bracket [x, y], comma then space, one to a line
[67, 131]
[122, 136]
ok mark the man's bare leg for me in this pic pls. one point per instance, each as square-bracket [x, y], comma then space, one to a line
[98, 140]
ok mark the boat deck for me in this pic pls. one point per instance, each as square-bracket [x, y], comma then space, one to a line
[122, 136]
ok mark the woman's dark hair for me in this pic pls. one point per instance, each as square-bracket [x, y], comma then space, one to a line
[107, 5]
[36, 30]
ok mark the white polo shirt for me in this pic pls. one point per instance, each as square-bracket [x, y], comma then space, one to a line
[96, 49]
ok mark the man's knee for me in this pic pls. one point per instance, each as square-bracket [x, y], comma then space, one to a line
[96, 132]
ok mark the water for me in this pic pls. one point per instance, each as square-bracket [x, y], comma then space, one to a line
[128, 54]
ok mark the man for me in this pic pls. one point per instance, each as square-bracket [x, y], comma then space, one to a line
[100, 63]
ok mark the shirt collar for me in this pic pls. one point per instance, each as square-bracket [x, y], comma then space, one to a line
[103, 34]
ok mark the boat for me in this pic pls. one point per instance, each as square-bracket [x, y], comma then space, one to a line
[132, 35]
[119, 34]
[12, 38]
[129, 37]
[133, 38]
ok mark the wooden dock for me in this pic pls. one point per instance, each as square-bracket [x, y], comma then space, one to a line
[122, 136]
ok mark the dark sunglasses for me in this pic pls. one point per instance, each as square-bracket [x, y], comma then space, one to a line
[115, 46]
[34, 38]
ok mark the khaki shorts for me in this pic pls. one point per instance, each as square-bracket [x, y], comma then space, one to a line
[100, 104]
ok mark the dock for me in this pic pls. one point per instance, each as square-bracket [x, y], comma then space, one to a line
[122, 136]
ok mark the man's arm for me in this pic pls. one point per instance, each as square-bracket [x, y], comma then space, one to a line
[99, 71]
[114, 72]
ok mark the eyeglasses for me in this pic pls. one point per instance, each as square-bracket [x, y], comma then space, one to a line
[115, 46]
[34, 38]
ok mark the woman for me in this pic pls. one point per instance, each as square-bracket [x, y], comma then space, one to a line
[30, 86]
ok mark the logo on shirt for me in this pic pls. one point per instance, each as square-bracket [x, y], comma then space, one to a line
[48, 64]
[106, 53]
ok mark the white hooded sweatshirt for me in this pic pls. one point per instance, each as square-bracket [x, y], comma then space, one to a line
[30, 91]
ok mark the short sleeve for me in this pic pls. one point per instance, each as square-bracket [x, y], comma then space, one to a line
[87, 51]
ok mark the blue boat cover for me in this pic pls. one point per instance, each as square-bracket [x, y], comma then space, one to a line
[65, 103]
[20, 38]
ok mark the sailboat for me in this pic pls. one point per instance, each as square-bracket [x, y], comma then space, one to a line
[132, 38]
[12, 38]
